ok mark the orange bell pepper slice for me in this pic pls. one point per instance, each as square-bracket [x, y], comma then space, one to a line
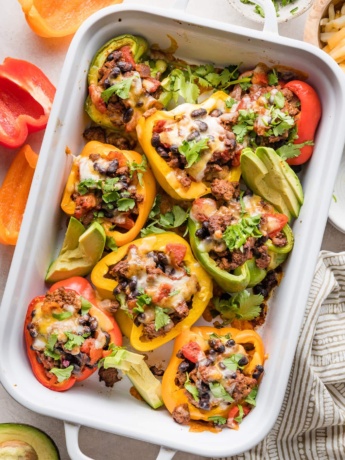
[14, 193]
[49, 18]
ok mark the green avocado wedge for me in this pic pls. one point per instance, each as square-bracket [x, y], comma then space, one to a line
[135, 368]
[19, 441]
[81, 250]
[270, 177]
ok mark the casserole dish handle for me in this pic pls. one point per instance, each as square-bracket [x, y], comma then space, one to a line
[72, 432]
[270, 24]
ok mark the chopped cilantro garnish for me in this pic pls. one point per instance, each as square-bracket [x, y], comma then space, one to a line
[230, 102]
[192, 150]
[142, 300]
[220, 392]
[172, 219]
[279, 100]
[85, 305]
[251, 398]
[121, 89]
[191, 388]
[161, 318]
[272, 78]
[242, 306]
[232, 362]
[140, 168]
[62, 374]
[125, 204]
[217, 420]
[291, 150]
[236, 235]
[239, 418]
[111, 243]
[74, 340]
[88, 184]
[172, 293]
[49, 348]
[110, 196]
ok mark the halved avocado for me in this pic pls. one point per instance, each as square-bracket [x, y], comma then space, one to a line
[80, 252]
[25, 442]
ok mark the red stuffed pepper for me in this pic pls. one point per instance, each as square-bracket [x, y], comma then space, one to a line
[66, 334]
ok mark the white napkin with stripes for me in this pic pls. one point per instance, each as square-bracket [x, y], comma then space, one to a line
[311, 423]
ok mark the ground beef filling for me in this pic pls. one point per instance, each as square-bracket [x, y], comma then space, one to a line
[113, 197]
[154, 289]
[214, 218]
[52, 346]
[211, 382]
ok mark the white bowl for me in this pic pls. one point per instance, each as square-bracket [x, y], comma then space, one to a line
[283, 14]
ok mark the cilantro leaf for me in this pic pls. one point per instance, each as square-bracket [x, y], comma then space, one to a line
[192, 150]
[156, 206]
[74, 340]
[150, 229]
[121, 89]
[62, 374]
[291, 150]
[236, 235]
[125, 204]
[85, 305]
[220, 392]
[49, 348]
[191, 388]
[177, 84]
[140, 168]
[85, 185]
[232, 362]
[161, 318]
[110, 196]
[111, 243]
[175, 292]
[251, 398]
[230, 102]
[243, 306]
[217, 419]
[279, 100]
[272, 78]
[142, 300]
[239, 418]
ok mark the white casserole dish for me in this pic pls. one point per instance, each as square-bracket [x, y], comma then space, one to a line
[116, 411]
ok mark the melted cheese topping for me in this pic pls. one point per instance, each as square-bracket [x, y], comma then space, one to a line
[86, 170]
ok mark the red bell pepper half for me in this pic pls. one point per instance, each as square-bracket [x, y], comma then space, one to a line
[26, 97]
[308, 120]
[62, 342]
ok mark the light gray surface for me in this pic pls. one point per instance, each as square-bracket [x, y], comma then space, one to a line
[17, 40]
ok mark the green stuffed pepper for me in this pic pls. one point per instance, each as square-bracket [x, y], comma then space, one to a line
[121, 85]
[237, 238]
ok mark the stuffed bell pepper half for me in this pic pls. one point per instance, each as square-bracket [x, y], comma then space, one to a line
[66, 334]
[114, 187]
[238, 237]
[213, 376]
[121, 85]
[160, 287]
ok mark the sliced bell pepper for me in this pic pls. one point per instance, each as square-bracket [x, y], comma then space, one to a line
[26, 97]
[58, 19]
[117, 70]
[14, 193]
[126, 227]
[167, 176]
[308, 119]
[48, 313]
[248, 274]
[179, 251]
[233, 351]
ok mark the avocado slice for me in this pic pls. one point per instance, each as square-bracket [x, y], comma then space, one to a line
[78, 254]
[25, 442]
[134, 366]
[270, 177]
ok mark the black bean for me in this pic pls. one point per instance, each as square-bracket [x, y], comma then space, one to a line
[110, 57]
[243, 361]
[230, 343]
[230, 143]
[204, 405]
[139, 104]
[202, 126]
[155, 140]
[133, 283]
[102, 169]
[93, 323]
[107, 340]
[202, 233]
[106, 83]
[33, 313]
[260, 290]
[123, 283]
[163, 258]
[108, 214]
[32, 330]
[184, 366]
[205, 395]
[86, 330]
[198, 113]
[216, 113]
[124, 66]
[117, 290]
[117, 55]
[222, 365]
[115, 72]
[157, 371]
[112, 168]
[174, 149]
[127, 116]
[83, 319]
[193, 135]
[124, 178]
[161, 267]
[162, 152]
[258, 371]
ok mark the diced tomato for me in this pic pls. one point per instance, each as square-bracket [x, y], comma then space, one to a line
[177, 252]
[124, 221]
[84, 203]
[260, 79]
[193, 352]
[163, 291]
[159, 126]
[127, 55]
[113, 155]
[88, 347]
[274, 223]
[95, 94]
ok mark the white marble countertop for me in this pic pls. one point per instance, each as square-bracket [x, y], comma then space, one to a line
[18, 41]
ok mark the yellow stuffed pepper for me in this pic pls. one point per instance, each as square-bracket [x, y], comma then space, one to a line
[191, 146]
[213, 375]
[114, 187]
[161, 288]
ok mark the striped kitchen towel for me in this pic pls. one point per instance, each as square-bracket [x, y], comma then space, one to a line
[311, 423]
